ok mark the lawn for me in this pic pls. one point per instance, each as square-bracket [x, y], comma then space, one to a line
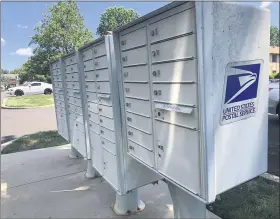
[258, 198]
[35, 141]
[30, 101]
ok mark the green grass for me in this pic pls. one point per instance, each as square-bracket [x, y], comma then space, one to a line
[30, 101]
[258, 198]
[35, 141]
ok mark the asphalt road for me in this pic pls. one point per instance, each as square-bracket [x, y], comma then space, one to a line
[18, 122]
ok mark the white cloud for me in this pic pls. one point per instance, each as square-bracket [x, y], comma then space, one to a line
[2, 42]
[22, 26]
[265, 4]
[23, 52]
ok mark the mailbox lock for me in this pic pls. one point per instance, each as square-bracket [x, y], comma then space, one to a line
[123, 42]
[86, 86]
[98, 87]
[96, 63]
[89, 115]
[72, 76]
[87, 97]
[159, 155]
[127, 89]
[128, 104]
[130, 133]
[85, 76]
[124, 58]
[157, 92]
[100, 109]
[131, 148]
[71, 69]
[125, 74]
[101, 120]
[102, 132]
[90, 125]
[154, 32]
[85, 66]
[97, 75]
[102, 142]
[94, 51]
[155, 53]
[156, 73]
[129, 119]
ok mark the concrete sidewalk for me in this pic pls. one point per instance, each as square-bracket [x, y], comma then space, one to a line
[45, 183]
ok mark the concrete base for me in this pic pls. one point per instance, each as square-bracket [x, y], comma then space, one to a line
[74, 154]
[186, 205]
[128, 204]
[90, 172]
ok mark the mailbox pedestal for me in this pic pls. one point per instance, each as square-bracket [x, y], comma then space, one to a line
[128, 204]
[74, 154]
[186, 205]
[90, 172]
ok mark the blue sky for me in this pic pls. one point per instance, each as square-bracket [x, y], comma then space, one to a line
[19, 18]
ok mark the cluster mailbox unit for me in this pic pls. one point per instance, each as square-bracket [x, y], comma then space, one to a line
[179, 94]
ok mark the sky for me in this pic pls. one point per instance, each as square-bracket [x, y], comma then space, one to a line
[19, 18]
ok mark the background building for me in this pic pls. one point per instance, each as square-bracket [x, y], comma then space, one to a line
[274, 59]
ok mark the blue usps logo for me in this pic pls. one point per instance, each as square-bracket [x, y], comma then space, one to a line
[244, 85]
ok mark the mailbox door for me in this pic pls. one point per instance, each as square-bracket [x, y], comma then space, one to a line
[110, 169]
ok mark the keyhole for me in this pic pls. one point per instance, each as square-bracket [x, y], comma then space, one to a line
[158, 113]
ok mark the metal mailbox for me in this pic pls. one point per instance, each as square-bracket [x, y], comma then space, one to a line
[193, 94]
[103, 119]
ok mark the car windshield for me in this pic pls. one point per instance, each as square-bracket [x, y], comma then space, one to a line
[26, 83]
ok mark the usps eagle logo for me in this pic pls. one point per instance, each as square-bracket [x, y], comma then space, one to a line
[243, 85]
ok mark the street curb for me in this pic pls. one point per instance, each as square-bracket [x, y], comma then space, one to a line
[3, 105]
[270, 177]
[6, 144]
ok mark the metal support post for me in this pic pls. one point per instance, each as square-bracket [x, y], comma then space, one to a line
[90, 172]
[74, 154]
[186, 205]
[128, 204]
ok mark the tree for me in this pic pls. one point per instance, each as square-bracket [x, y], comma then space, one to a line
[61, 31]
[5, 81]
[4, 71]
[274, 36]
[115, 17]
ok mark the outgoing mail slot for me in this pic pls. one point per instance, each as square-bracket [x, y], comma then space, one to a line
[187, 118]
[141, 138]
[179, 48]
[101, 62]
[108, 134]
[103, 87]
[91, 86]
[140, 122]
[93, 117]
[175, 154]
[88, 65]
[106, 122]
[108, 145]
[99, 50]
[177, 24]
[134, 57]
[136, 73]
[104, 99]
[133, 39]
[93, 107]
[90, 76]
[93, 126]
[141, 153]
[137, 90]
[176, 93]
[102, 74]
[138, 106]
[183, 71]
[92, 97]
[94, 139]
[106, 111]
[87, 54]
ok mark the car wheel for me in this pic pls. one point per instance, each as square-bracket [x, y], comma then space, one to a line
[278, 111]
[19, 93]
[47, 91]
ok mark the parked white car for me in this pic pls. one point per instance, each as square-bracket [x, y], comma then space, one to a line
[273, 102]
[30, 88]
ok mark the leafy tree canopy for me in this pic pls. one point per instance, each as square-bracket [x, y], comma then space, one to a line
[115, 17]
[274, 36]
